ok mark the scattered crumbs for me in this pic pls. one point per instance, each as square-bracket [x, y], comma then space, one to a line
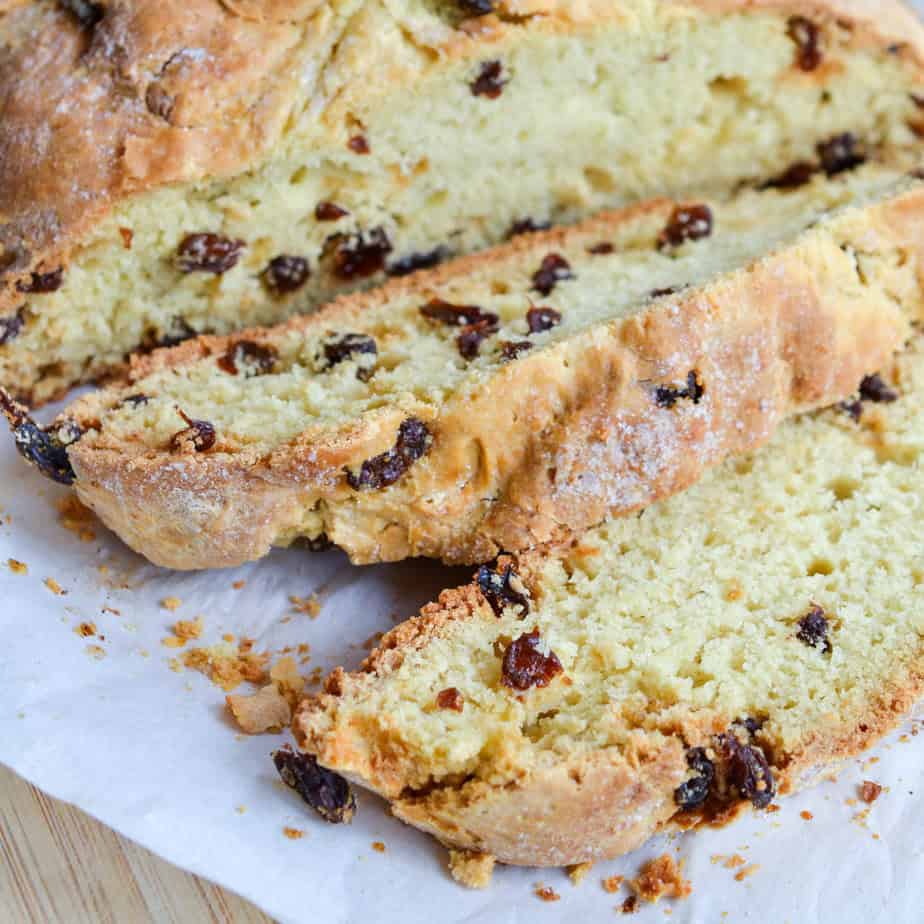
[238, 585]
[378, 846]
[870, 791]
[372, 641]
[293, 834]
[266, 710]
[743, 874]
[175, 665]
[54, 586]
[805, 815]
[86, 629]
[227, 666]
[471, 869]
[303, 648]
[183, 631]
[290, 683]
[904, 739]
[630, 905]
[171, 603]
[731, 862]
[94, 651]
[17, 567]
[661, 877]
[228, 637]
[240, 809]
[860, 817]
[612, 884]
[546, 893]
[875, 837]
[851, 801]
[875, 760]
[76, 517]
[578, 872]
[103, 569]
[285, 620]
[111, 610]
[771, 808]
[309, 605]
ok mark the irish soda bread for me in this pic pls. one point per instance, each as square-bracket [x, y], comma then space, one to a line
[716, 651]
[509, 398]
[206, 165]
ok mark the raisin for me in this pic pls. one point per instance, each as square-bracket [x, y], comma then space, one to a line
[198, 432]
[285, 274]
[456, 315]
[469, 341]
[750, 724]
[252, 358]
[380, 471]
[328, 793]
[43, 282]
[135, 400]
[450, 698]
[329, 211]
[345, 346]
[813, 630]
[553, 269]
[11, 326]
[476, 7]
[511, 349]
[207, 253]
[668, 395]
[604, 247]
[525, 666]
[748, 770]
[840, 153]
[319, 543]
[86, 13]
[687, 223]
[46, 449]
[527, 226]
[356, 256]
[489, 81]
[874, 389]
[417, 261]
[630, 905]
[807, 37]
[159, 102]
[794, 176]
[499, 591]
[542, 319]
[667, 290]
[695, 791]
[359, 145]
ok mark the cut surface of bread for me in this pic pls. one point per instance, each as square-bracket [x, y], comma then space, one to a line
[202, 166]
[718, 650]
[516, 397]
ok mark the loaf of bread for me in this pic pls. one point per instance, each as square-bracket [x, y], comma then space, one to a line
[719, 650]
[508, 399]
[194, 166]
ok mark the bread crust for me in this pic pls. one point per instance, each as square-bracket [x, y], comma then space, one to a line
[555, 440]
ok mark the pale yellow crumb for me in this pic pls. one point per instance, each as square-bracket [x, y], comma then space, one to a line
[266, 710]
[241, 809]
[471, 869]
[378, 846]
[309, 605]
[743, 874]
[94, 651]
[171, 603]
[612, 884]
[293, 834]
[17, 567]
[578, 872]
[661, 877]
[54, 586]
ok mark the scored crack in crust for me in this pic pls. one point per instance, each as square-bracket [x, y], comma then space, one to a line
[724, 649]
[196, 166]
[417, 449]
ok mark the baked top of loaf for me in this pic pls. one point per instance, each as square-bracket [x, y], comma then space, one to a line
[512, 398]
[717, 650]
[196, 166]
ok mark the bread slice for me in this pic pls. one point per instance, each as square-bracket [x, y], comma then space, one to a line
[199, 166]
[719, 650]
[595, 369]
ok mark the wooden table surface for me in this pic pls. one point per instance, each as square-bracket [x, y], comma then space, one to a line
[59, 865]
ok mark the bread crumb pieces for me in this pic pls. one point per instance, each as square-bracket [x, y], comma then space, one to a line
[806, 815]
[870, 791]
[290, 683]
[171, 603]
[378, 846]
[731, 862]
[17, 567]
[266, 710]
[187, 629]
[771, 808]
[54, 586]
[660, 877]
[630, 905]
[743, 874]
[228, 637]
[240, 809]
[471, 869]
[310, 606]
[111, 610]
[238, 585]
[94, 651]
[228, 666]
[86, 629]
[612, 884]
[76, 517]
[578, 872]
[293, 834]
[546, 893]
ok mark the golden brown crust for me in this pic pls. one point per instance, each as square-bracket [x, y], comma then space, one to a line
[553, 441]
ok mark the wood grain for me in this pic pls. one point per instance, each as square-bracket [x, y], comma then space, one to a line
[59, 865]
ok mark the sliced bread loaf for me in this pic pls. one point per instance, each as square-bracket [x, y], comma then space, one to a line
[202, 166]
[717, 651]
[511, 398]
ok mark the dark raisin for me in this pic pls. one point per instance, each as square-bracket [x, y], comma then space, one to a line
[747, 769]
[527, 226]
[695, 790]
[840, 153]
[319, 543]
[601, 249]
[476, 7]
[553, 269]
[456, 315]
[207, 253]
[450, 698]
[668, 395]
[794, 176]
[380, 471]
[285, 274]
[86, 13]
[11, 326]
[329, 211]
[43, 282]
[813, 630]
[525, 666]
[356, 256]
[198, 432]
[489, 81]
[499, 591]
[667, 290]
[874, 389]
[853, 409]
[687, 223]
[511, 349]
[178, 332]
[469, 341]
[807, 37]
[249, 357]
[630, 905]
[135, 400]
[542, 319]
[358, 144]
[46, 449]
[346, 345]
[159, 101]
[328, 793]
[750, 724]
[417, 261]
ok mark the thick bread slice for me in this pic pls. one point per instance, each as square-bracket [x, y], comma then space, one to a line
[417, 449]
[322, 142]
[772, 615]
